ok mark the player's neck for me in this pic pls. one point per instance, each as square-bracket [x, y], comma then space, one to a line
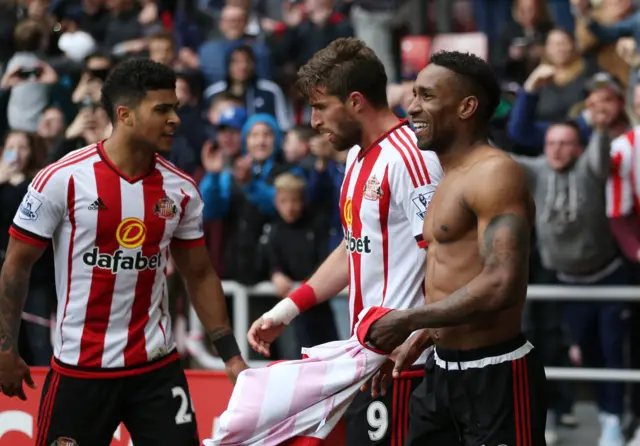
[457, 154]
[131, 161]
[377, 124]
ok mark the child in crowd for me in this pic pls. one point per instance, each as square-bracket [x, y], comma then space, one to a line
[297, 147]
[296, 247]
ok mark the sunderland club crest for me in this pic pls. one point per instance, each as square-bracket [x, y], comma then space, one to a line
[372, 189]
[165, 208]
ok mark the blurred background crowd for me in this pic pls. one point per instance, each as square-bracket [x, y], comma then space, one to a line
[569, 70]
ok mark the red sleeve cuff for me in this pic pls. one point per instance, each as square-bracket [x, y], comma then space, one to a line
[27, 237]
[187, 243]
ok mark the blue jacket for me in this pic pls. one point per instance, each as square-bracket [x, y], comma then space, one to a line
[220, 191]
[261, 96]
[213, 64]
[246, 209]
[523, 129]
[323, 191]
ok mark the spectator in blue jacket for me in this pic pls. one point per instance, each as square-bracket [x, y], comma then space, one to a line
[258, 95]
[232, 25]
[243, 196]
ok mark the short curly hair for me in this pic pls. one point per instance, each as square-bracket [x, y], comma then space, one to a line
[476, 76]
[129, 82]
[346, 65]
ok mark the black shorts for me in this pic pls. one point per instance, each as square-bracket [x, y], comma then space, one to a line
[154, 406]
[489, 396]
[382, 421]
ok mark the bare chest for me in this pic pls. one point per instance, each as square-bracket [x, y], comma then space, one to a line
[448, 218]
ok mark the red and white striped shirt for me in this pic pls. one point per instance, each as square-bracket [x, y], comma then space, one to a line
[385, 194]
[623, 187]
[111, 236]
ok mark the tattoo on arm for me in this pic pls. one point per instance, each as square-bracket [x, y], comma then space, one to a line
[506, 243]
[505, 253]
[218, 333]
[13, 293]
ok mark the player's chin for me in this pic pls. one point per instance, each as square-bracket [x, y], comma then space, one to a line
[425, 143]
[164, 144]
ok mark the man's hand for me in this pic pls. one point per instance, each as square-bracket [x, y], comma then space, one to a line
[262, 333]
[400, 360]
[282, 283]
[542, 75]
[11, 78]
[234, 367]
[49, 75]
[242, 170]
[211, 158]
[389, 331]
[13, 370]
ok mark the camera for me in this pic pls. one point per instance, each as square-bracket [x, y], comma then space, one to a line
[26, 73]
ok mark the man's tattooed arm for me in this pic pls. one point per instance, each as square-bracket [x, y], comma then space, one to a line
[501, 283]
[14, 284]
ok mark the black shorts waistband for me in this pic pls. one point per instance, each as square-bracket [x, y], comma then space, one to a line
[115, 372]
[476, 354]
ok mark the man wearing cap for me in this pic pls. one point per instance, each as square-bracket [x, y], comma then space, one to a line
[575, 241]
[228, 144]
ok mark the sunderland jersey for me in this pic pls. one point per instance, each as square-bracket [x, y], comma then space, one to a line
[384, 197]
[623, 187]
[110, 235]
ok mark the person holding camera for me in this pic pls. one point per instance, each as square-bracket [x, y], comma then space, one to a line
[96, 69]
[90, 125]
[28, 79]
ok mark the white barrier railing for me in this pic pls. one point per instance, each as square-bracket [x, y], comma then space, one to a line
[240, 304]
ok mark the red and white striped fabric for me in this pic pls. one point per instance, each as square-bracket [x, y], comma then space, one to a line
[623, 187]
[298, 403]
[110, 235]
[385, 194]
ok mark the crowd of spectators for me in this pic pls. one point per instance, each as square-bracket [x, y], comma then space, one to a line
[270, 184]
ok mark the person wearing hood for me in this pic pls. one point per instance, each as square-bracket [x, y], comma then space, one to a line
[243, 196]
[259, 95]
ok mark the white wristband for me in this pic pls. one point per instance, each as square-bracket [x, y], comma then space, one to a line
[283, 313]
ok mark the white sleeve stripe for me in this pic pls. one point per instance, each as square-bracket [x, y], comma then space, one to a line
[413, 171]
[414, 147]
[51, 170]
[176, 171]
[280, 103]
[43, 172]
[214, 89]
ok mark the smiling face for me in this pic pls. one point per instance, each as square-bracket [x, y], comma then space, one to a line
[331, 117]
[435, 108]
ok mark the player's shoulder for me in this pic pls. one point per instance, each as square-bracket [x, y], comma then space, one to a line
[59, 172]
[401, 152]
[495, 167]
[176, 178]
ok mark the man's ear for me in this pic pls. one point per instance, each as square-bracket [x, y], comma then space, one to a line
[125, 115]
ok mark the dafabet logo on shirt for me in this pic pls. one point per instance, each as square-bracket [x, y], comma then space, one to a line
[130, 234]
